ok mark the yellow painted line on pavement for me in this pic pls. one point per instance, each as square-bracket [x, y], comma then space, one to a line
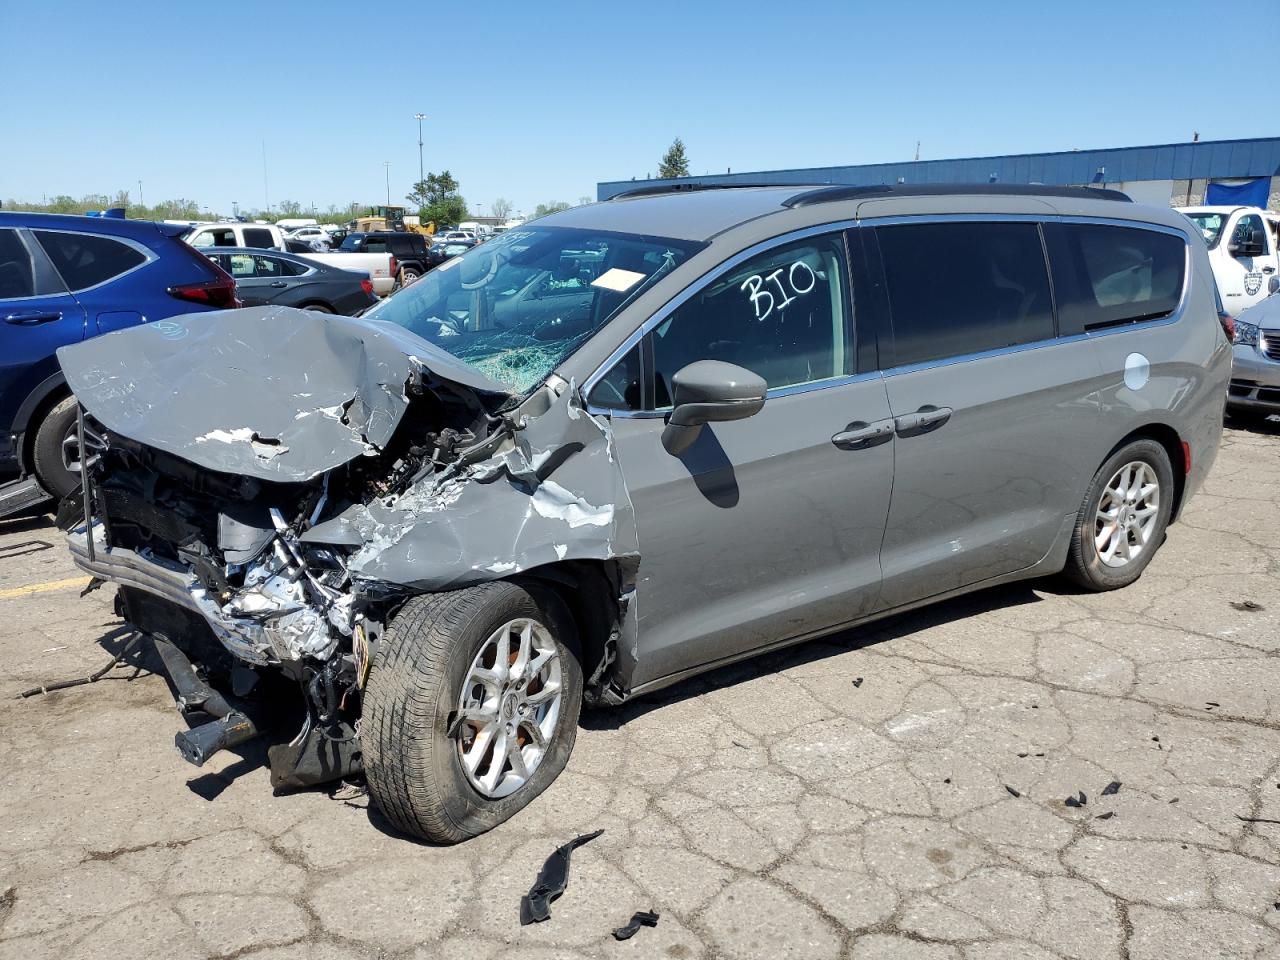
[29, 589]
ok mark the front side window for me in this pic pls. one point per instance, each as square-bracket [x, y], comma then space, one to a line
[517, 306]
[1105, 275]
[85, 260]
[17, 272]
[1249, 230]
[781, 315]
[961, 288]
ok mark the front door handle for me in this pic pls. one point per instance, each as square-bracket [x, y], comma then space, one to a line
[29, 318]
[279, 283]
[860, 435]
[1268, 269]
[924, 420]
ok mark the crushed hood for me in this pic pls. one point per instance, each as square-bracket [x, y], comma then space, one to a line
[269, 392]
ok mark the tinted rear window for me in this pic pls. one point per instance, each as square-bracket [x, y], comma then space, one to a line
[958, 288]
[85, 260]
[17, 276]
[258, 238]
[1104, 275]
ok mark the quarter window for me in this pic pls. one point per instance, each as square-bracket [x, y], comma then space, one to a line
[1105, 276]
[959, 288]
[622, 387]
[85, 260]
[781, 315]
[17, 275]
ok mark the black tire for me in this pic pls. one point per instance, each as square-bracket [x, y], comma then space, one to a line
[46, 449]
[413, 767]
[1085, 566]
[408, 275]
[318, 308]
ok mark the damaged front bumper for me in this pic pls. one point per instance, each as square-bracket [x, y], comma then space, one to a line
[268, 622]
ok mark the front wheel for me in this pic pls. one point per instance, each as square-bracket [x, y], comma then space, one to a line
[1123, 519]
[471, 708]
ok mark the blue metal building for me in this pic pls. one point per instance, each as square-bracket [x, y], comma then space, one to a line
[1179, 174]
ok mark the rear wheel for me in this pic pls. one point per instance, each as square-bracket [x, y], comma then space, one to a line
[55, 451]
[1123, 519]
[471, 708]
[408, 275]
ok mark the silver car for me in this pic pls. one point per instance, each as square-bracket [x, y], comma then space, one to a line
[1255, 376]
[627, 443]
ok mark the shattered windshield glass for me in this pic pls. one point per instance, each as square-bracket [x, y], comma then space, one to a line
[517, 305]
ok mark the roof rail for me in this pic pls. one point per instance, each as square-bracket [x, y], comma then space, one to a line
[657, 189]
[834, 193]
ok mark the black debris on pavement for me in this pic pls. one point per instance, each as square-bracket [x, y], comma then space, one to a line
[1255, 819]
[1210, 704]
[1012, 792]
[553, 878]
[742, 745]
[1105, 816]
[641, 918]
[1249, 606]
[948, 780]
[1077, 801]
[1112, 788]
[857, 683]
[1174, 800]
[1021, 755]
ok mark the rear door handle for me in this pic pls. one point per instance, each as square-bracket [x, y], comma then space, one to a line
[860, 435]
[29, 318]
[924, 420]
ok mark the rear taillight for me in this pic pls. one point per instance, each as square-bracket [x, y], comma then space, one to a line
[219, 292]
[395, 265]
[214, 293]
[1228, 324]
[367, 286]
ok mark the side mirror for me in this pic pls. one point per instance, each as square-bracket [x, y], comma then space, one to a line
[1273, 286]
[1245, 248]
[710, 391]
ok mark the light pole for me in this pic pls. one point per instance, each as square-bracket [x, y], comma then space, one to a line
[387, 165]
[140, 203]
[420, 117]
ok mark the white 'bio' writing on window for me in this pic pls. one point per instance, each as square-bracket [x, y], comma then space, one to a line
[800, 280]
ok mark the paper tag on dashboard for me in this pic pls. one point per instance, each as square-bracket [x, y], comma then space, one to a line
[617, 279]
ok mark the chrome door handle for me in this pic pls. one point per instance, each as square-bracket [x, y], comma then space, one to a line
[29, 318]
[860, 435]
[924, 420]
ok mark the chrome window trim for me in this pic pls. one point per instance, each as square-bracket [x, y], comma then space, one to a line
[804, 233]
[830, 383]
[149, 255]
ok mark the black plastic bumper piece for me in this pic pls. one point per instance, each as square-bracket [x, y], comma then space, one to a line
[200, 743]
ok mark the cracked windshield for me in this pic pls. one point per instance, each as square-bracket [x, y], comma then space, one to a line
[516, 306]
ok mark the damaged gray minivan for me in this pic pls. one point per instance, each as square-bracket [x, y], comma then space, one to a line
[627, 443]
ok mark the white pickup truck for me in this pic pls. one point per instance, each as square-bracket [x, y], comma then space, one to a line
[381, 267]
[266, 236]
[1243, 244]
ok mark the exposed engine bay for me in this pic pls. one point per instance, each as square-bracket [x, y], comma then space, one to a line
[292, 527]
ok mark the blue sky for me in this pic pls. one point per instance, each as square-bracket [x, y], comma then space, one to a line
[538, 101]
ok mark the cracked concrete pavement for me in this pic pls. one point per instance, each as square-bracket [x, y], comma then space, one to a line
[774, 809]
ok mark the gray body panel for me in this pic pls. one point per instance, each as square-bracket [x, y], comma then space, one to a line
[1255, 375]
[762, 529]
[274, 393]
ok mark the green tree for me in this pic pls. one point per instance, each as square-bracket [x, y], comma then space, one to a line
[674, 162]
[546, 208]
[438, 199]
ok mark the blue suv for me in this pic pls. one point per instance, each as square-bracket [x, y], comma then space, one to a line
[64, 279]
